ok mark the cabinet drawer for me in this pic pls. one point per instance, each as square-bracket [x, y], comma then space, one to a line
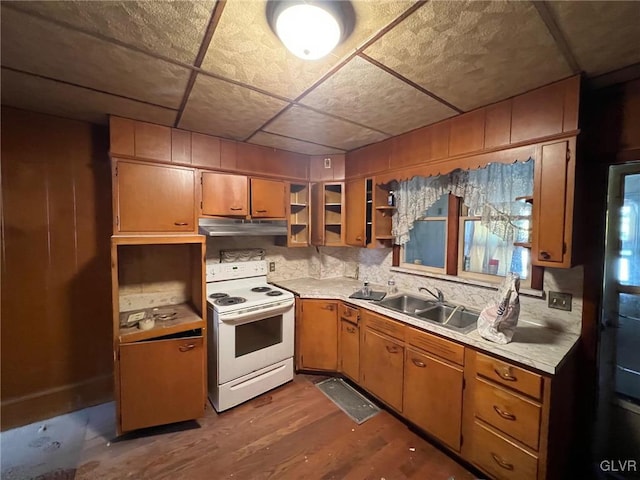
[514, 415]
[501, 458]
[509, 375]
[349, 313]
[433, 344]
[384, 325]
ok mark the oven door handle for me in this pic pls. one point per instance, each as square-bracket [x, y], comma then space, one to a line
[242, 316]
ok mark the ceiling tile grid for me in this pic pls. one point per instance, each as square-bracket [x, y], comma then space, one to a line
[221, 108]
[304, 124]
[473, 53]
[170, 28]
[603, 36]
[291, 144]
[47, 96]
[360, 91]
[36, 46]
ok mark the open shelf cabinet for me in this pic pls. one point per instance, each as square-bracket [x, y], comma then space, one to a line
[298, 211]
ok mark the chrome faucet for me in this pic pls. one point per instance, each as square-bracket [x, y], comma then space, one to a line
[439, 296]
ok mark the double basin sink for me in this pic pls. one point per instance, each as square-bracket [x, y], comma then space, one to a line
[451, 316]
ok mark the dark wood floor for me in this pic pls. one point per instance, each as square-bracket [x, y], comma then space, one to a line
[293, 432]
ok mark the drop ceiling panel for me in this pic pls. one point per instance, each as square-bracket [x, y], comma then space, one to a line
[600, 34]
[47, 96]
[360, 91]
[304, 124]
[221, 108]
[245, 49]
[173, 29]
[473, 53]
[291, 144]
[40, 47]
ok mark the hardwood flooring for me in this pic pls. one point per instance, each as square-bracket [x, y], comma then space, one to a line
[293, 432]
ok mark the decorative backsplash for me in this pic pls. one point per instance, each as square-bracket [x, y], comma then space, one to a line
[374, 266]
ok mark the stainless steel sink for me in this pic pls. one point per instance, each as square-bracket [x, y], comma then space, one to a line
[407, 304]
[450, 316]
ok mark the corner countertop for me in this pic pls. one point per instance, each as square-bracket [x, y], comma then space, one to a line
[537, 347]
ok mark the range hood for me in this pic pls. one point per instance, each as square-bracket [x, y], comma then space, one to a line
[231, 227]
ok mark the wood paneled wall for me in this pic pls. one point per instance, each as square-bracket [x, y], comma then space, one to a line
[56, 286]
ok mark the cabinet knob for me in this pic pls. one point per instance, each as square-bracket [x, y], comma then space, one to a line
[331, 307]
[186, 348]
[359, 239]
[505, 374]
[545, 255]
[501, 462]
[418, 363]
[180, 224]
[392, 349]
[351, 330]
[503, 414]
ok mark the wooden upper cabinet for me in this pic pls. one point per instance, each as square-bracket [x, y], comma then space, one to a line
[228, 154]
[153, 142]
[205, 150]
[317, 335]
[538, 113]
[122, 136]
[367, 160]
[268, 198]
[553, 205]
[180, 146]
[497, 125]
[317, 214]
[355, 203]
[225, 195]
[153, 198]
[467, 133]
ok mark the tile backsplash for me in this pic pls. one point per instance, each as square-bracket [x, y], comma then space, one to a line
[374, 266]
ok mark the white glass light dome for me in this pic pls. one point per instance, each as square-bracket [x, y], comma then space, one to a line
[308, 31]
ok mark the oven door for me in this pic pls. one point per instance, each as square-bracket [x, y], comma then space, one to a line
[254, 340]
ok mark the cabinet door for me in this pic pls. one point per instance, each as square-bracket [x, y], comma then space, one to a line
[317, 214]
[268, 198]
[355, 203]
[350, 350]
[433, 396]
[381, 367]
[317, 333]
[161, 382]
[224, 195]
[550, 201]
[154, 198]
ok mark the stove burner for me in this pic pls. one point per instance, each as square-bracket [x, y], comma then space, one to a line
[226, 301]
[218, 295]
[274, 293]
[260, 289]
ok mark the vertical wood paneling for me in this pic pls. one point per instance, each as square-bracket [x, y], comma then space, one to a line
[497, 129]
[55, 290]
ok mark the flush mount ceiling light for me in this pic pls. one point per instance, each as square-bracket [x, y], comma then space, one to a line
[310, 29]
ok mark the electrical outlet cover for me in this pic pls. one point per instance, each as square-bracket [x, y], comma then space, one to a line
[560, 301]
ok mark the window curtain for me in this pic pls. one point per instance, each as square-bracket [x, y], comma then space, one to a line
[489, 192]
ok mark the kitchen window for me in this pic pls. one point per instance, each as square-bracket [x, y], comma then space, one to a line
[484, 237]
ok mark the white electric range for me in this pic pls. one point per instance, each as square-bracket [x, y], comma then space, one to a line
[251, 333]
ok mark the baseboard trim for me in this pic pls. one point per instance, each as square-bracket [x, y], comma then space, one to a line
[52, 402]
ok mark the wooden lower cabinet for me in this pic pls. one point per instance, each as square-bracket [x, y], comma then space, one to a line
[161, 381]
[317, 335]
[382, 367]
[350, 350]
[433, 396]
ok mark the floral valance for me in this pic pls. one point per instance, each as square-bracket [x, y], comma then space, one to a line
[488, 192]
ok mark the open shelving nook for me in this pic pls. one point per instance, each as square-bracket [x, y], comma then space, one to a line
[333, 214]
[298, 215]
[382, 213]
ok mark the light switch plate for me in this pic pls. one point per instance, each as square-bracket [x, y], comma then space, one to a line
[272, 266]
[561, 301]
[327, 162]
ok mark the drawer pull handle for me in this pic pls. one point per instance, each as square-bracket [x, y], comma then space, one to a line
[545, 255]
[505, 374]
[235, 208]
[503, 414]
[359, 239]
[392, 349]
[351, 330]
[180, 224]
[329, 307]
[186, 348]
[261, 211]
[502, 463]
[418, 363]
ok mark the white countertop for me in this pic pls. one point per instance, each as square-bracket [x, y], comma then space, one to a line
[541, 348]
